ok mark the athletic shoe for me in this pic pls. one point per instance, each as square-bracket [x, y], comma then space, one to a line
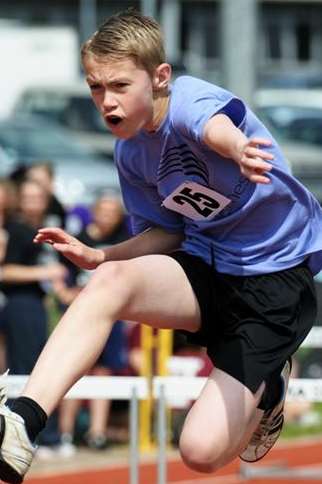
[66, 448]
[96, 442]
[269, 427]
[16, 450]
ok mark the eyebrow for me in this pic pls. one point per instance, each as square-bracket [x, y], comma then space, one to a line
[110, 81]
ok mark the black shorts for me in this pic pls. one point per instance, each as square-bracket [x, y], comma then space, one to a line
[250, 325]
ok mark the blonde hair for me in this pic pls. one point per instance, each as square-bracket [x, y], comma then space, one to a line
[128, 34]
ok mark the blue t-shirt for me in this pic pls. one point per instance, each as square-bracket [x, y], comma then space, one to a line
[241, 227]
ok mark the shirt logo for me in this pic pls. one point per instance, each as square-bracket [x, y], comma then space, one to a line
[196, 201]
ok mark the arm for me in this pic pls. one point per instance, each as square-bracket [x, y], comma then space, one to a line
[21, 274]
[222, 136]
[153, 241]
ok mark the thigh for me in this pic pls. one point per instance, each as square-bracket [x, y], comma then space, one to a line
[159, 293]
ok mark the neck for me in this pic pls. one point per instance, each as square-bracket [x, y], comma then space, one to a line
[161, 104]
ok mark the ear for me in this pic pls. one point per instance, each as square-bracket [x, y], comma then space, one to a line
[162, 76]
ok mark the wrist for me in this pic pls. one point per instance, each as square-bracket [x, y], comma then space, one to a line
[101, 256]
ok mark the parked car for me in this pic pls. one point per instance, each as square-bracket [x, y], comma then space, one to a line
[304, 78]
[80, 173]
[296, 114]
[71, 106]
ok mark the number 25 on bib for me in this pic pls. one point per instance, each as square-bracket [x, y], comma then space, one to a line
[196, 201]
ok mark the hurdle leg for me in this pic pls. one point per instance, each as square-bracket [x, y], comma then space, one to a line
[134, 444]
[162, 437]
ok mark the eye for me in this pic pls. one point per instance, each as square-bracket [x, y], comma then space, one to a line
[95, 87]
[121, 85]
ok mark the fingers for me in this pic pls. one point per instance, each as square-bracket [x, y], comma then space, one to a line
[256, 178]
[255, 161]
[256, 164]
[52, 235]
[257, 153]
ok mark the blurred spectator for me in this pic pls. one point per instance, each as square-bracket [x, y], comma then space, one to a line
[108, 227]
[43, 173]
[7, 205]
[24, 280]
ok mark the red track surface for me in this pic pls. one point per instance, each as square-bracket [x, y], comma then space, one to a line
[304, 454]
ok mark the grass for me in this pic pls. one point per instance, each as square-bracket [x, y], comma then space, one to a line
[296, 429]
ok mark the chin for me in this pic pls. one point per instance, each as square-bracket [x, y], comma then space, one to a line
[124, 135]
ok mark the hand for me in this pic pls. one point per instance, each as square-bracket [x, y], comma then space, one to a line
[251, 162]
[74, 250]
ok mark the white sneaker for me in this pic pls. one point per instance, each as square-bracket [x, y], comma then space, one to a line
[16, 450]
[66, 448]
[45, 452]
[269, 427]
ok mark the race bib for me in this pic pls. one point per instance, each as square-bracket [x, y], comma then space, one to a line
[196, 201]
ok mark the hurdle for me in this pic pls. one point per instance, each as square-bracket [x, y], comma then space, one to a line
[118, 388]
[164, 389]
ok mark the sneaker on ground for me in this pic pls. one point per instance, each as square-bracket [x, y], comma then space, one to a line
[96, 442]
[45, 452]
[66, 448]
[270, 426]
[16, 450]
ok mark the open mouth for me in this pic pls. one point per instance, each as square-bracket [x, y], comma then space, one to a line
[112, 119]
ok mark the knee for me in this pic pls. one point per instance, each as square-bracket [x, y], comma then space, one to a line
[199, 453]
[107, 275]
[109, 280]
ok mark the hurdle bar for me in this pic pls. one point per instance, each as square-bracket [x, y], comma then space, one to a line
[314, 338]
[280, 472]
[90, 387]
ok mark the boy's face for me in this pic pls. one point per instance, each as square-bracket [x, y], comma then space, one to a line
[123, 94]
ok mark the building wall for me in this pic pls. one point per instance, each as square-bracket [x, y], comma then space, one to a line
[289, 32]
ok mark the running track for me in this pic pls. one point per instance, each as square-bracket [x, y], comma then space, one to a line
[297, 454]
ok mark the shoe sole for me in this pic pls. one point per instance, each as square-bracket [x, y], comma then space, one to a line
[7, 473]
[267, 451]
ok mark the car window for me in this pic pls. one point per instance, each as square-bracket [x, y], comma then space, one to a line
[294, 123]
[80, 113]
[36, 141]
[308, 130]
[44, 103]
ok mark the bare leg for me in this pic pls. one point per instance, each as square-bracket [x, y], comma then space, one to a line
[67, 415]
[220, 423]
[99, 409]
[152, 289]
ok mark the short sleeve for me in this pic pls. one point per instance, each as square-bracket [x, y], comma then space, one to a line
[198, 102]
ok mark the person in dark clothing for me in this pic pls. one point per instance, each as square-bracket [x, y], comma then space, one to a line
[43, 173]
[27, 273]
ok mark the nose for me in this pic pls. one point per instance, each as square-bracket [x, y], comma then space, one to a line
[109, 102]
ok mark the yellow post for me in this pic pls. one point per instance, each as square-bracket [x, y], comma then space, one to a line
[164, 342]
[164, 345]
[160, 345]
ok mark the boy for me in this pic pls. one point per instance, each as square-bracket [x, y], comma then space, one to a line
[225, 245]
